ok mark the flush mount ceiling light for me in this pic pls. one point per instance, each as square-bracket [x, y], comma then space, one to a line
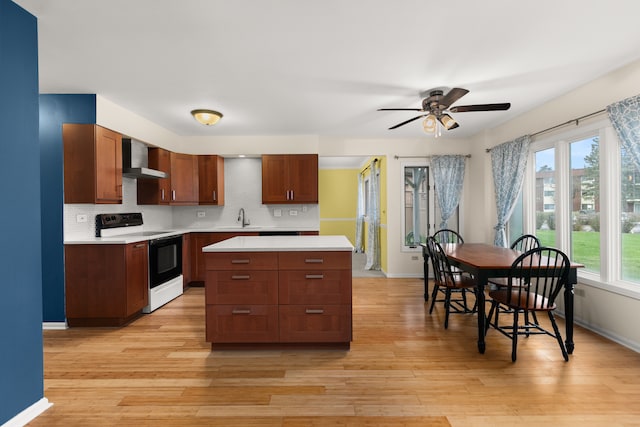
[206, 117]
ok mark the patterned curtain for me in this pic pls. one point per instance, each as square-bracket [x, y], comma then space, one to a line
[625, 118]
[508, 162]
[373, 237]
[448, 176]
[359, 244]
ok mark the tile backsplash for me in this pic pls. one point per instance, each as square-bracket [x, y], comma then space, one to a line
[243, 189]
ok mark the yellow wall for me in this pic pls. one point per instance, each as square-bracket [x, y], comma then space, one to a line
[338, 199]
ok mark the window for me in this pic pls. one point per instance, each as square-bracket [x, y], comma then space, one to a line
[585, 202]
[582, 195]
[416, 205]
[545, 204]
[630, 218]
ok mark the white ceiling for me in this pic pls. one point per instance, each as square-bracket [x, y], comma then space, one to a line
[286, 67]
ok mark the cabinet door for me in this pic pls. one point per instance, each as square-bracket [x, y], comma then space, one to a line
[92, 164]
[137, 277]
[242, 323]
[274, 179]
[108, 166]
[211, 180]
[156, 191]
[198, 262]
[303, 178]
[315, 323]
[184, 179]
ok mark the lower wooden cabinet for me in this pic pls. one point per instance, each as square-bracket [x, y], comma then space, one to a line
[105, 285]
[278, 297]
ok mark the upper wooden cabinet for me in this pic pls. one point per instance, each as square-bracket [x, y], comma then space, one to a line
[211, 180]
[290, 178]
[92, 164]
[184, 179]
[180, 188]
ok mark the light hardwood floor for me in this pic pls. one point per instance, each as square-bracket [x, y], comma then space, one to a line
[403, 369]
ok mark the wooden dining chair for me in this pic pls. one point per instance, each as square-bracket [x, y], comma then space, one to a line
[446, 235]
[449, 283]
[523, 244]
[535, 279]
[442, 236]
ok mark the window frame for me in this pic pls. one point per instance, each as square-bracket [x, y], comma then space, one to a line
[430, 203]
[609, 278]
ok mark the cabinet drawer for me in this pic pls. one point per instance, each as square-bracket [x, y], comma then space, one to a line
[242, 260]
[315, 323]
[242, 323]
[241, 287]
[315, 287]
[338, 260]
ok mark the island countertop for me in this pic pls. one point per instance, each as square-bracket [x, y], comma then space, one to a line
[281, 244]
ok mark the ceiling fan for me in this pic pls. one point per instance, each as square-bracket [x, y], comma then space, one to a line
[435, 107]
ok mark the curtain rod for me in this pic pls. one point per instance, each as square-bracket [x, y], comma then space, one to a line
[423, 157]
[375, 160]
[568, 122]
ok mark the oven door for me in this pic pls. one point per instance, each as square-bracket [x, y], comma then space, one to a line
[165, 260]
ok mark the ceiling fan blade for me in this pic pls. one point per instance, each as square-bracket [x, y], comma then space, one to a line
[480, 107]
[452, 96]
[407, 121]
[399, 109]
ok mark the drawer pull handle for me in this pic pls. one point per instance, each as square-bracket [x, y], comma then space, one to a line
[140, 245]
[240, 311]
[314, 260]
[314, 276]
[240, 277]
[314, 311]
[239, 261]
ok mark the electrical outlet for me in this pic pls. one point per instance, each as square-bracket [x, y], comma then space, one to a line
[293, 212]
[201, 214]
[578, 292]
[81, 218]
[277, 212]
[414, 258]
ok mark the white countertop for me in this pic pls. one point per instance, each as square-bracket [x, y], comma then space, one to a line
[281, 244]
[129, 238]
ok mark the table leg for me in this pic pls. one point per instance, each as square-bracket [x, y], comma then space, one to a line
[568, 308]
[481, 315]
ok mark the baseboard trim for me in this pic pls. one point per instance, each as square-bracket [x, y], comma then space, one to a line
[405, 276]
[29, 414]
[54, 325]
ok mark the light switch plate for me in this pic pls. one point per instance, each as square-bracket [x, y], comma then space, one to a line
[201, 214]
[293, 212]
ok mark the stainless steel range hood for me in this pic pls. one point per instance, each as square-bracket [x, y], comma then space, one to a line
[131, 171]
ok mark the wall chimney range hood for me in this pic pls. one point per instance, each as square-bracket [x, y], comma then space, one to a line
[130, 171]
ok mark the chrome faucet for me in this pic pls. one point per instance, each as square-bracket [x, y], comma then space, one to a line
[242, 218]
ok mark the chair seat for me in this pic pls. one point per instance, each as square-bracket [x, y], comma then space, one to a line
[461, 281]
[519, 300]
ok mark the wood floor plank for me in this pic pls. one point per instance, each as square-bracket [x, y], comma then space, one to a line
[403, 369]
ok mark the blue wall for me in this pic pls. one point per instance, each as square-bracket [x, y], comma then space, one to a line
[54, 111]
[21, 367]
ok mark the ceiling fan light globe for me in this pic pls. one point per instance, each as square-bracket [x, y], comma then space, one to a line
[429, 124]
[447, 121]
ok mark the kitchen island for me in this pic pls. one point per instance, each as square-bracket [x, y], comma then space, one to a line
[284, 290]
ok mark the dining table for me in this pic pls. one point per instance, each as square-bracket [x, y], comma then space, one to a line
[485, 261]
